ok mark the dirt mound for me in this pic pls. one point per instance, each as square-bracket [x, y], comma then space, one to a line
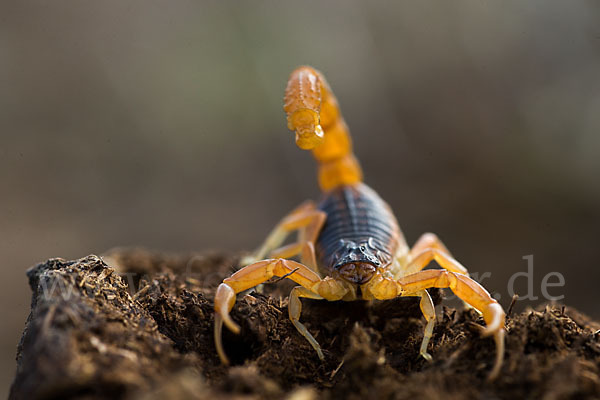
[143, 329]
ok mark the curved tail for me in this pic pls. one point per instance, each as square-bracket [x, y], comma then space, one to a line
[313, 113]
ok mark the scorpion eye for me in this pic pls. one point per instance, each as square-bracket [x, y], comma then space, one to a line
[363, 248]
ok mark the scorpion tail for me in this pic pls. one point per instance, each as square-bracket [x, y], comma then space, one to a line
[313, 113]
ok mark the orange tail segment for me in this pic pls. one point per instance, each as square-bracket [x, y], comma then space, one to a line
[313, 113]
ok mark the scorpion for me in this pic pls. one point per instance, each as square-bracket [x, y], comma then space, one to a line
[349, 245]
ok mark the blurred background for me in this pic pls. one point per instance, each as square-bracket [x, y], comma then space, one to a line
[160, 124]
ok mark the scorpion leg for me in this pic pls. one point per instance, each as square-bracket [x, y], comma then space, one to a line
[295, 309]
[306, 250]
[428, 241]
[293, 221]
[426, 249]
[428, 310]
[472, 293]
[305, 245]
[429, 247]
[308, 257]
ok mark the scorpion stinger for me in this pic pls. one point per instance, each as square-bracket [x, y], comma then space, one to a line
[350, 245]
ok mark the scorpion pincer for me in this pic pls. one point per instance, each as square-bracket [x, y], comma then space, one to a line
[349, 245]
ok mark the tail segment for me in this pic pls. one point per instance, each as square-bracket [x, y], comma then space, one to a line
[313, 113]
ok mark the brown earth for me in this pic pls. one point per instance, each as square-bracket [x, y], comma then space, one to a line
[143, 329]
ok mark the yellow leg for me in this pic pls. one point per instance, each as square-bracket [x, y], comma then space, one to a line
[428, 241]
[429, 247]
[421, 255]
[464, 287]
[295, 309]
[428, 310]
[306, 239]
[259, 272]
[423, 259]
[299, 218]
[306, 250]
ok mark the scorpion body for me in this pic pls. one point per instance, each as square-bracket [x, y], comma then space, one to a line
[360, 233]
[350, 245]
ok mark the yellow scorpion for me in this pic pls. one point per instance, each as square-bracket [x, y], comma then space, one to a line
[349, 244]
